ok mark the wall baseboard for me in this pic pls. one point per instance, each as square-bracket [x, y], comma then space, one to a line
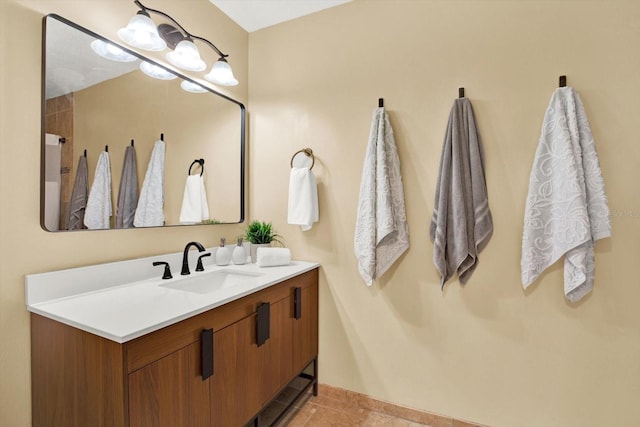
[334, 396]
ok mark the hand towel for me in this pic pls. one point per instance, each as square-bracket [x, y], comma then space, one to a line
[303, 198]
[99, 209]
[272, 257]
[52, 182]
[128, 191]
[149, 212]
[566, 210]
[461, 225]
[79, 196]
[195, 207]
[382, 232]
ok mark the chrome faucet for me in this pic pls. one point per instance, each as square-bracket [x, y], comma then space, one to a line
[185, 256]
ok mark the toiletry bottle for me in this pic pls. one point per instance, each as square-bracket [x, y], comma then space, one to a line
[239, 256]
[223, 254]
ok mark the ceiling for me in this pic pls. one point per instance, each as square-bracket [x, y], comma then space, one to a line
[253, 15]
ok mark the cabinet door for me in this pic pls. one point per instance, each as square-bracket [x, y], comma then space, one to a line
[305, 329]
[170, 392]
[277, 358]
[236, 380]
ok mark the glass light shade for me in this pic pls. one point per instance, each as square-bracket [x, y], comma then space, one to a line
[111, 51]
[141, 32]
[187, 57]
[192, 87]
[156, 72]
[221, 74]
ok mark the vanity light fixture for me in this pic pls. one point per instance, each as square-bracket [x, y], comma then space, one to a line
[156, 72]
[192, 87]
[142, 32]
[111, 51]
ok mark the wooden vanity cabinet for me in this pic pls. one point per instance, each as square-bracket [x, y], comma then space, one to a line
[80, 379]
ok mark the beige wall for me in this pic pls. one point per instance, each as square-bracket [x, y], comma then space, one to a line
[24, 247]
[488, 352]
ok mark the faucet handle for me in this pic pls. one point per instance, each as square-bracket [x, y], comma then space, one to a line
[167, 270]
[199, 266]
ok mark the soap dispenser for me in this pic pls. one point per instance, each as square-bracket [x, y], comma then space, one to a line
[239, 256]
[223, 254]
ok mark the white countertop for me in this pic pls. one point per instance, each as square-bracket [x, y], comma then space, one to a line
[124, 311]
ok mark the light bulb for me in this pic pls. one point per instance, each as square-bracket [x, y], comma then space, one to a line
[192, 87]
[111, 51]
[221, 74]
[141, 32]
[186, 56]
[156, 72]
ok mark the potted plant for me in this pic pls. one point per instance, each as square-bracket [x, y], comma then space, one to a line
[260, 233]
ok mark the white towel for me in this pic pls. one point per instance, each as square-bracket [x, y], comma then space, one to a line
[149, 212]
[566, 209]
[382, 233]
[195, 207]
[272, 257]
[99, 210]
[52, 182]
[303, 198]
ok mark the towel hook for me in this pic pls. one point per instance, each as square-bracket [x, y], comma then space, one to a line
[562, 81]
[200, 162]
[380, 102]
[307, 152]
[461, 92]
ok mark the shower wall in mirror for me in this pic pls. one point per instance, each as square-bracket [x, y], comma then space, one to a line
[94, 105]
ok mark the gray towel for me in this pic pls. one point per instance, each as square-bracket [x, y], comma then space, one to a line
[461, 225]
[128, 192]
[79, 196]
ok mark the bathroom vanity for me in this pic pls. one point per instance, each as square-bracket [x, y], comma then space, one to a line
[172, 353]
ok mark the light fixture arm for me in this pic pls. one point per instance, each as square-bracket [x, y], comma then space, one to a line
[211, 45]
[146, 10]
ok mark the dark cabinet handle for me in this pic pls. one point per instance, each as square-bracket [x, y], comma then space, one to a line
[167, 269]
[297, 303]
[263, 323]
[199, 266]
[206, 341]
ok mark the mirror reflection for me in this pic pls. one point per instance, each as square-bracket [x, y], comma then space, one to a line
[122, 149]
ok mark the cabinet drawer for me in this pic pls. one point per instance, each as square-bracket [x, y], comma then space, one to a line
[151, 347]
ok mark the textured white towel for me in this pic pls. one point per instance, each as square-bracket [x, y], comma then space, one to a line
[52, 182]
[149, 212]
[99, 210]
[303, 198]
[272, 257]
[566, 209]
[195, 207]
[382, 233]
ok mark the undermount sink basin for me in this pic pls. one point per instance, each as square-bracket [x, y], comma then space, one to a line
[203, 283]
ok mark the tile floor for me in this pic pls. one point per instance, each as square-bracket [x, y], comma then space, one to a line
[337, 408]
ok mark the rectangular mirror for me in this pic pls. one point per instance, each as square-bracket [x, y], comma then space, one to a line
[92, 104]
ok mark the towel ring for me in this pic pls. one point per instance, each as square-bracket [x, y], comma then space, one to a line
[307, 152]
[200, 162]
